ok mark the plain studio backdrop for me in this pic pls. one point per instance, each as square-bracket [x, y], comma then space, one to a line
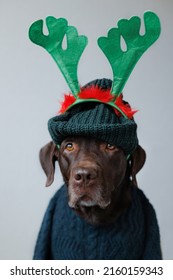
[32, 87]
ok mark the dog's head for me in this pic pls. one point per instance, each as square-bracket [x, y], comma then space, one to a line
[96, 173]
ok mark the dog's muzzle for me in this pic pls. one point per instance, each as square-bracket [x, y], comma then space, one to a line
[85, 187]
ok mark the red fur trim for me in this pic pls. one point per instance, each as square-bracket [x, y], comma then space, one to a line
[68, 101]
[94, 92]
[125, 108]
[101, 95]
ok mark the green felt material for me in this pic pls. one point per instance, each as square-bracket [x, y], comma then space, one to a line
[67, 59]
[123, 62]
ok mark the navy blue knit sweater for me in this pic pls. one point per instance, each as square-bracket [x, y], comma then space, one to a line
[65, 236]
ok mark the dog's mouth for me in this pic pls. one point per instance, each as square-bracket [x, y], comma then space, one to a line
[86, 201]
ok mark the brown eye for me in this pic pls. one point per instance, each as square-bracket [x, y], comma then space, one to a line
[110, 147]
[69, 147]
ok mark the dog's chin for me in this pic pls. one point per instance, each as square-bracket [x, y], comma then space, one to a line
[88, 203]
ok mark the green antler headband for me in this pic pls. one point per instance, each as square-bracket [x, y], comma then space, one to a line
[122, 62]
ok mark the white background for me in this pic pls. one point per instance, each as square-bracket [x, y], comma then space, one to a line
[31, 87]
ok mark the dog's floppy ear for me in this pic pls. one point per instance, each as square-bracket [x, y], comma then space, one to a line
[48, 156]
[137, 162]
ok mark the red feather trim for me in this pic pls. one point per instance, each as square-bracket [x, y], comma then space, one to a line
[68, 101]
[104, 96]
[95, 92]
[124, 107]
[92, 92]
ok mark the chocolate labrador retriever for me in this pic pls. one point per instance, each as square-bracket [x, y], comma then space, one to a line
[98, 176]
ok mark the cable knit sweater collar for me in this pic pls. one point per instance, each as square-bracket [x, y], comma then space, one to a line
[64, 235]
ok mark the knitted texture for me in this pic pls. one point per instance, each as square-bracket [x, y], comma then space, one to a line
[65, 236]
[95, 120]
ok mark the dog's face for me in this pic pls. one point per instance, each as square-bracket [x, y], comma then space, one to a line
[92, 170]
[96, 173]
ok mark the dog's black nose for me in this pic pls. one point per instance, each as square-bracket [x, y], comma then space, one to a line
[84, 175]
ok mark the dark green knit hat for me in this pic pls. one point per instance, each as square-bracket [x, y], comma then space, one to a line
[95, 120]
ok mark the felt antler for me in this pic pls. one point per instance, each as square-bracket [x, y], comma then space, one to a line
[67, 59]
[123, 62]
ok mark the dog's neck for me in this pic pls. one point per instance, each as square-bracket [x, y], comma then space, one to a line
[120, 200]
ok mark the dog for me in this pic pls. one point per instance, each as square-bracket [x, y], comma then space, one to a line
[97, 174]
[99, 213]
